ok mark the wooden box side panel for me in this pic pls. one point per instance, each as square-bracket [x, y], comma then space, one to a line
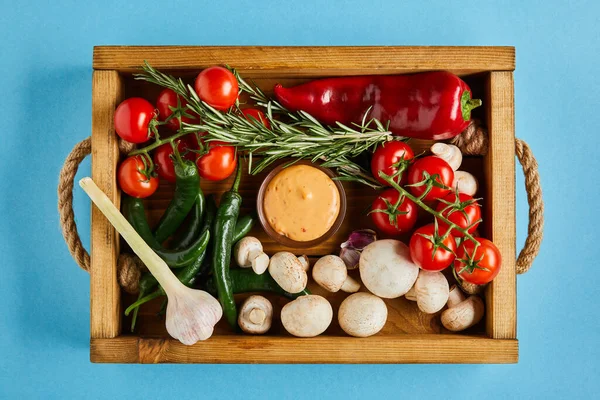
[501, 306]
[105, 294]
[310, 61]
[378, 349]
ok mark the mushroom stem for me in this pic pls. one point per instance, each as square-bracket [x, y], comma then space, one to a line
[350, 285]
[449, 153]
[455, 297]
[411, 294]
[304, 261]
[257, 316]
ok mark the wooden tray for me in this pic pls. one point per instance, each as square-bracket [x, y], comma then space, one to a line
[409, 335]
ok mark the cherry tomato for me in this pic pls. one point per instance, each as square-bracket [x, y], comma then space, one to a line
[167, 99]
[133, 180]
[219, 163]
[132, 119]
[390, 219]
[464, 212]
[217, 86]
[257, 115]
[428, 251]
[478, 266]
[430, 168]
[164, 162]
[388, 155]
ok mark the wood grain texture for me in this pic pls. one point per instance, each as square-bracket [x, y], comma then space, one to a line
[104, 291]
[377, 349]
[501, 307]
[308, 61]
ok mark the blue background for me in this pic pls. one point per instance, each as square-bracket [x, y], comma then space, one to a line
[45, 83]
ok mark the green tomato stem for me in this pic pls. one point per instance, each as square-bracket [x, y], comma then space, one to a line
[425, 207]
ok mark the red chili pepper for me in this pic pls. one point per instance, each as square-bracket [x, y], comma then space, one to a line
[429, 105]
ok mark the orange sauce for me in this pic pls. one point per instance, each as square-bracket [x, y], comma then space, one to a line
[301, 202]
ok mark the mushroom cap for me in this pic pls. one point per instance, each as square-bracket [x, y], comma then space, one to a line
[463, 315]
[431, 290]
[386, 268]
[287, 271]
[350, 285]
[362, 314]
[307, 316]
[465, 182]
[256, 315]
[330, 273]
[246, 248]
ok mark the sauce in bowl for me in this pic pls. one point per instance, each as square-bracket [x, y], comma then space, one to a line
[301, 202]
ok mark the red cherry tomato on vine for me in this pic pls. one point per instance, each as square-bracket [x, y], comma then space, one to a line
[167, 99]
[164, 162]
[257, 115]
[478, 266]
[390, 219]
[134, 179]
[219, 163]
[465, 213]
[430, 166]
[133, 118]
[386, 156]
[427, 248]
[217, 86]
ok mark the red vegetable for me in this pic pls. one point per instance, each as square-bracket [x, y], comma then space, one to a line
[478, 265]
[431, 249]
[253, 113]
[464, 212]
[434, 170]
[219, 163]
[430, 105]
[388, 157]
[163, 160]
[167, 99]
[134, 120]
[217, 86]
[392, 216]
[135, 179]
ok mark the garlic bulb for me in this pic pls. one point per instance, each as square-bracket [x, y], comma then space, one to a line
[191, 314]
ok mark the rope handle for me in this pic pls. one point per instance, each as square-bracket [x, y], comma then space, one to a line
[128, 266]
[472, 141]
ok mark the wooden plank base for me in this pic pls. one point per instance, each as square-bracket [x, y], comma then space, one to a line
[378, 349]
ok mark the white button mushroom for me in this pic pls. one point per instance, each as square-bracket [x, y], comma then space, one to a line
[462, 313]
[307, 316]
[288, 272]
[330, 273]
[256, 315]
[304, 261]
[465, 183]
[430, 291]
[249, 253]
[386, 268]
[449, 153]
[362, 314]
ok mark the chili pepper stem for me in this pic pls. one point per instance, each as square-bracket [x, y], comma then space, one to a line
[143, 300]
[425, 207]
[238, 177]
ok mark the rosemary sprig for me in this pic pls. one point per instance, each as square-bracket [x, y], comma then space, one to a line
[301, 137]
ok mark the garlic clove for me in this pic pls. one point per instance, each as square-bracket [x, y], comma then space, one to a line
[350, 256]
[359, 239]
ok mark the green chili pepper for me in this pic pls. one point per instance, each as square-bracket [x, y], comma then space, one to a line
[133, 208]
[244, 280]
[186, 190]
[227, 216]
[243, 226]
[194, 225]
[186, 275]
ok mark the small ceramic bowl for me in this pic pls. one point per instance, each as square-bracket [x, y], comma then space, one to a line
[284, 240]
